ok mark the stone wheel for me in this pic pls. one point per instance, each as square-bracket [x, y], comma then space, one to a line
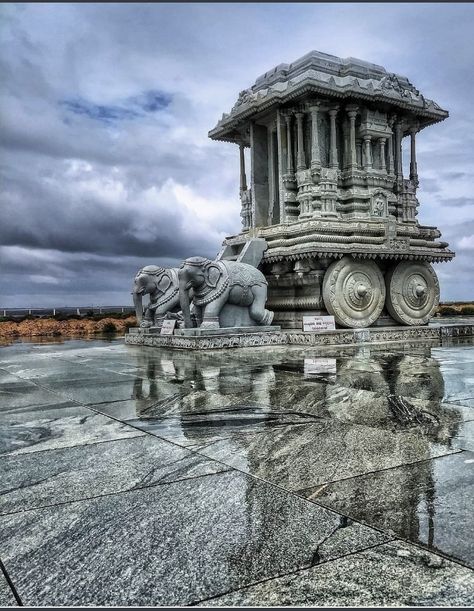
[412, 293]
[354, 292]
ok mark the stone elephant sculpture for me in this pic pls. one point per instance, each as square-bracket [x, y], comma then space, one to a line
[163, 287]
[223, 294]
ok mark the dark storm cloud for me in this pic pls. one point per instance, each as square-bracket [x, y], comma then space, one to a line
[88, 224]
[132, 108]
[105, 164]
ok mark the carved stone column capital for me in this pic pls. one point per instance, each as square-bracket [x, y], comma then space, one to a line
[352, 111]
[301, 161]
[313, 105]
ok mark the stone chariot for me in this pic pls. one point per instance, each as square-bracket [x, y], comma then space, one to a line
[328, 197]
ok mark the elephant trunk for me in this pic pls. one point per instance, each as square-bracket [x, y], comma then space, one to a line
[138, 303]
[184, 301]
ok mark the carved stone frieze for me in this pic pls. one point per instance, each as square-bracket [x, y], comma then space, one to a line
[299, 338]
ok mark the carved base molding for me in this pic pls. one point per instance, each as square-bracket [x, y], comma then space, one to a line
[372, 335]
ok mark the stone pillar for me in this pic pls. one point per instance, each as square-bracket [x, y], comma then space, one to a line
[280, 127]
[333, 162]
[315, 152]
[390, 168]
[243, 177]
[289, 152]
[289, 181]
[352, 156]
[398, 150]
[383, 165]
[259, 174]
[359, 152]
[368, 152]
[413, 166]
[301, 162]
[245, 196]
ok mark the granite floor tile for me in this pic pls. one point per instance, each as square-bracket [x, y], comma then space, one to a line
[6, 377]
[198, 431]
[394, 574]
[429, 502]
[23, 394]
[465, 438]
[6, 595]
[35, 480]
[63, 374]
[467, 402]
[57, 425]
[172, 544]
[314, 453]
[95, 392]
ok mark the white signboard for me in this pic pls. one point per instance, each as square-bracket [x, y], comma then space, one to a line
[167, 367]
[318, 323]
[167, 327]
[312, 366]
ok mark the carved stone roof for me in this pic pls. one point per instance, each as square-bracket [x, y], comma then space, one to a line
[331, 77]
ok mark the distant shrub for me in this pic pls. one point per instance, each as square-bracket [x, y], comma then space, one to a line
[109, 327]
[61, 316]
[448, 311]
[130, 323]
[468, 310]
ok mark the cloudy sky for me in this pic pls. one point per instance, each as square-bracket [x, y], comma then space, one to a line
[105, 161]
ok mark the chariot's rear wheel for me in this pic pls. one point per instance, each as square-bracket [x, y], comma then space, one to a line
[412, 292]
[354, 292]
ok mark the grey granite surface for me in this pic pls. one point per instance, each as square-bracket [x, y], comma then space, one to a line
[299, 417]
[394, 574]
[429, 502]
[6, 595]
[300, 456]
[67, 474]
[176, 543]
[465, 437]
[59, 425]
[24, 394]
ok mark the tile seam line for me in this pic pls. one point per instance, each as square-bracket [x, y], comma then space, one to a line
[293, 572]
[407, 464]
[80, 445]
[270, 483]
[10, 583]
[114, 493]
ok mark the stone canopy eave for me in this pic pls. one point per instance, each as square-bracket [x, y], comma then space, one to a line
[226, 127]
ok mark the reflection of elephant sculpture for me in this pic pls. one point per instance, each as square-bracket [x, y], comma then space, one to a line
[224, 293]
[162, 286]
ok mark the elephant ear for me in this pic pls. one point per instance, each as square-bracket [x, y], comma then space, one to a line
[213, 274]
[164, 283]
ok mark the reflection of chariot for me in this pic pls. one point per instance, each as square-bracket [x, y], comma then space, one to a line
[328, 194]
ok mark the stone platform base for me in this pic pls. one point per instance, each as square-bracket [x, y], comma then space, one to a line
[273, 336]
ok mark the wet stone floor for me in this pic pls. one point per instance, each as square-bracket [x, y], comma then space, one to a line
[282, 476]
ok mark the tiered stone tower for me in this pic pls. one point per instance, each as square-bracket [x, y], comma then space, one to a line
[328, 193]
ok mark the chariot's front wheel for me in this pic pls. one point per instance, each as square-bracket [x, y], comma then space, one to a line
[412, 292]
[354, 292]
